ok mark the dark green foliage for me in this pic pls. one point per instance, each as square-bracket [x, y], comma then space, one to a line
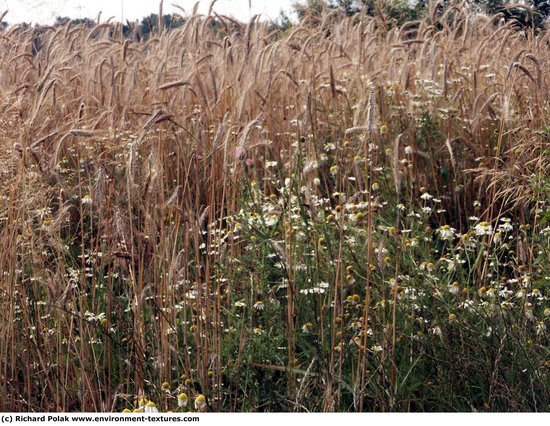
[532, 14]
[150, 23]
[395, 11]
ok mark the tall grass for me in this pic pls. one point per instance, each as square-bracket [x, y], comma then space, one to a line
[343, 216]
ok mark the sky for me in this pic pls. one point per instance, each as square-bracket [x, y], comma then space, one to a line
[45, 11]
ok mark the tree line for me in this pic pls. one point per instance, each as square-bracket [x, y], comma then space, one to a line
[527, 14]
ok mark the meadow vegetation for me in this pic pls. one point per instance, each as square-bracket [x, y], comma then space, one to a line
[341, 216]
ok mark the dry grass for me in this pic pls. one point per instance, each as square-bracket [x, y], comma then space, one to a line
[162, 136]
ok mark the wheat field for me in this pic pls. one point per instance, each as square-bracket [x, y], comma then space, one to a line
[340, 216]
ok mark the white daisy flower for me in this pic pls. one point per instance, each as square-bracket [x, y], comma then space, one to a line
[200, 402]
[446, 232]
[259, 305]
[150, 407]
[183, 400]
[483, 228]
